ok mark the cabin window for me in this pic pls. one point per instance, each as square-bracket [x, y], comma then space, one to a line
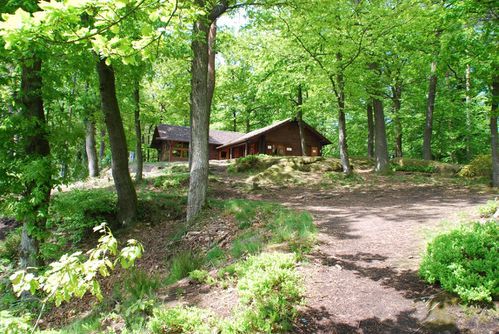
[269, 147]
[180, 150]
[289, 149]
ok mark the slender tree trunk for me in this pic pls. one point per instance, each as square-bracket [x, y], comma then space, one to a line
[469, 153]
[494, 113]
[380, 146]
[370, 131]
[138, 132]
[396, 97]
[93, 164]
[342, 125]
[234, 120]
[200, 116]
[247, 121]
[430, 106]
[102, 146]
[127, 197]
[299, 118]
[37, 148]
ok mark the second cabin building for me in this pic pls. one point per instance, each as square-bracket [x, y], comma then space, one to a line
[281, 138]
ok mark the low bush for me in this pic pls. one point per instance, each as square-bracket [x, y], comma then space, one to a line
[172, 180]
[74, 214]
[481, 165]
[465, 262]
[270, 290]
[183, 320]
[9, 247]
[10, 324]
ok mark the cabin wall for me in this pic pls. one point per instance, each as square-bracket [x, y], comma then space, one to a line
[179, 151]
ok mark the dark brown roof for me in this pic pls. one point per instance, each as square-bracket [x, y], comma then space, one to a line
[273, 126]
[183, 134]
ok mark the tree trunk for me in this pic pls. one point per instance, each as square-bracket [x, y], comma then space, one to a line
[37, 148]
[200, 117]
[102, 146]
[493, 131]
[93, 164]
[212, 35]
[299, 118]
[370, 131]
[138, 132]
[342, 124]
[430, 106]
[469, 153]
[380, 146]
[396, 98]
[127, 197]
[234, 120]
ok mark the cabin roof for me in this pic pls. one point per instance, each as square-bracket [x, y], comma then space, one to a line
[271, 127]
[183, 134]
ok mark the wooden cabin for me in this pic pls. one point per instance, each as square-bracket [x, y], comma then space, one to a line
[281, 138]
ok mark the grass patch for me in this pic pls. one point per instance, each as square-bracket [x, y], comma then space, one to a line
[182, 264]
[249, 242]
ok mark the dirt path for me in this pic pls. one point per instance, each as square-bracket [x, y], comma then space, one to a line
[363, 276]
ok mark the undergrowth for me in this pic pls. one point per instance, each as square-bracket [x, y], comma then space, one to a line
[464, 261]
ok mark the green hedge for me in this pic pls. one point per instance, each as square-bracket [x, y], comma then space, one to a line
[466, 262]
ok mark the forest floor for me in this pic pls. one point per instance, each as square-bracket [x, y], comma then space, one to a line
[362, 276]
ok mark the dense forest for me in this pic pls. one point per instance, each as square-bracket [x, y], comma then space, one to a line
[84, 83]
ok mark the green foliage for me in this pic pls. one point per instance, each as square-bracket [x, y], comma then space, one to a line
[182, 264]
[270, 290]
[248, 213]
[74, 214]
[296, 228]
[344, 179]
[9, 247]
[188, 320]
[251, 163]
[215, 255]
[489, 208]
[76, 274]
[201, 276]
[140, 284]
[465, 262]
[10, 324]
[481, 165]
[409, 168]
[172, 180]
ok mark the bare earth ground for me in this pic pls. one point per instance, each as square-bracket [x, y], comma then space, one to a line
[362, 278]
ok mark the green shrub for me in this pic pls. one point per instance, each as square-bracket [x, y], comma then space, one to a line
[270, 289]
[189, 320]
[9, 247]
[413, 168]
[172, 180]
[481, 165]
[72, 216]
[248, 212]
[251, 163]
[201, 276]
[182, 264]
[488, 209]
[465, 261]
